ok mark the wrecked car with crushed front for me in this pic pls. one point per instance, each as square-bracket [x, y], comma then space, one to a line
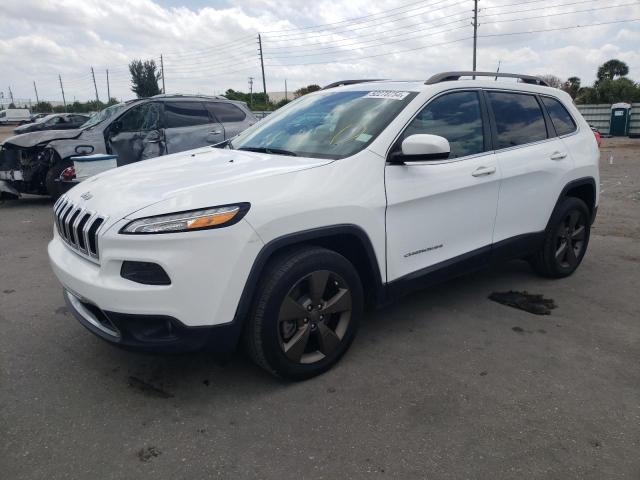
[132, 131]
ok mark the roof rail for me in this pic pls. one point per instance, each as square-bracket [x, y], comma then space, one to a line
[342, 83]
[449, 76]
[194, 95]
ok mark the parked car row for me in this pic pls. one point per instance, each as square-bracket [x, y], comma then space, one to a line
[33, 162]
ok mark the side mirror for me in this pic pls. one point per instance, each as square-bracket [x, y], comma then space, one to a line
[422, 147]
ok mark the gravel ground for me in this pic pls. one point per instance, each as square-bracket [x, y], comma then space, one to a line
[444, 384]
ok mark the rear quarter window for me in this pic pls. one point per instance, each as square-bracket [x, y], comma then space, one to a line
[519, 119]
[560, 117]
[226, 112]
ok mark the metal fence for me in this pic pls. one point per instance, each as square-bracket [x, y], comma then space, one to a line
[599, 116]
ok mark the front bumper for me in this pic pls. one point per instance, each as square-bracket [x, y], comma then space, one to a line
[151, 333]
[208, 271]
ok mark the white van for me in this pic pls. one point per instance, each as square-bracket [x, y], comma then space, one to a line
[15, 115]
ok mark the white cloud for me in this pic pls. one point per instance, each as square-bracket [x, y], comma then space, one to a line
[40, 39]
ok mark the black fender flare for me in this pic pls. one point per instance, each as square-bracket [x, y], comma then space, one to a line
[590, 181]
[305, 236]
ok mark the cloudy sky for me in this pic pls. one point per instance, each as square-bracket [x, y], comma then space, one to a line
[209, 46]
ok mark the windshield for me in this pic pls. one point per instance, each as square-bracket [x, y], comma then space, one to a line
[103, 115]
[325, 125]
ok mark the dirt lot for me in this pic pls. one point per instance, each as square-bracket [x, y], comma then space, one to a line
[6, 132]
[444, 384]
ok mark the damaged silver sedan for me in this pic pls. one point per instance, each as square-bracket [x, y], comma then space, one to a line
[130, 131]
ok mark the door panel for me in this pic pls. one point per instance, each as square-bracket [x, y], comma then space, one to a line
[187, 138]
[533, 166]
[438, 211]
[531, 182]
[442, 209]
[137, 134]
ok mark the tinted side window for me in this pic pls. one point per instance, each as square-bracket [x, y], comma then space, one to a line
[142, 118]
[185, 114]
[455, 116]
[560, 118]
[519, 119]
[226, 112]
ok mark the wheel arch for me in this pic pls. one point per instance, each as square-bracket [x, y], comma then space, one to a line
[583, 189]
[348, 240]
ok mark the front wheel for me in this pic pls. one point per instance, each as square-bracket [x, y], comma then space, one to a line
[306, 313]
[566, 240]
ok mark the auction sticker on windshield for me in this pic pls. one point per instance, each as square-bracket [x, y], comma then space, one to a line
[390, 94]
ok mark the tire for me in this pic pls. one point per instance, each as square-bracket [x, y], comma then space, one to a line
[296, 331]
[55, 189]
[566, 240]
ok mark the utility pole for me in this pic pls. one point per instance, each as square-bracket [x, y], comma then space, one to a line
[264, 83]
[250, 92]
[11, 94]
[64, 101]
[475, 33]
[108, 90]
[36, 89]
[498, 70]
[285, 90]
[94, 84]
[162, 71]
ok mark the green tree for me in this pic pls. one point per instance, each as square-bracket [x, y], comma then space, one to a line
[282, 103]
[144, 78]
[260, 101]
[619, 90]
[572, 86]
[611, 69]
[304, 90]
[42, 107]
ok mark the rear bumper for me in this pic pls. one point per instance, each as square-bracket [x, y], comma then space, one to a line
[150, 333]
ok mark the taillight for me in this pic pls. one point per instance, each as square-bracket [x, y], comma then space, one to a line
[68, 173]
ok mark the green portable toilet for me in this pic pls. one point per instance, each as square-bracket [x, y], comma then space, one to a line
[620, 119]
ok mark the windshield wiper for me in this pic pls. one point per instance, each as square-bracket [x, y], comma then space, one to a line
[276, 151]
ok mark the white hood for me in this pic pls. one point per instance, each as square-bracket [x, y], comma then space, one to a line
[191, 179]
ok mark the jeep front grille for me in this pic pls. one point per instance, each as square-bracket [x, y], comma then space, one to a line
[78, 227]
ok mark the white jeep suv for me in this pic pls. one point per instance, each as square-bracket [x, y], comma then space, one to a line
[343, 199]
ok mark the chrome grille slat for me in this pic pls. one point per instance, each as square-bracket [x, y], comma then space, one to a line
[78, 227]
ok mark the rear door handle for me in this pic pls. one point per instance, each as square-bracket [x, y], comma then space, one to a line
[482, 171]
[215, 132]
[558, 156]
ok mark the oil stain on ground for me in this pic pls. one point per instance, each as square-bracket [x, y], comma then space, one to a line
[529, 302]
[147, 388]
[146, 454]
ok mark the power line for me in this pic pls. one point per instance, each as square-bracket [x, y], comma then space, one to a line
[340, 49]
[378, 33]
[351, 29]
[553, 14]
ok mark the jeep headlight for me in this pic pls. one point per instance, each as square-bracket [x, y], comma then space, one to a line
[201, 219]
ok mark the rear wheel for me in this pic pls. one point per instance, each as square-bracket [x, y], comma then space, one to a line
[306, 313]
[55, 188]
[566, 240]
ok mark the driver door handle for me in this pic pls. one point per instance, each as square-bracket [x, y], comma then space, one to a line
[215, 132]
[483, 171]
[558, 155]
